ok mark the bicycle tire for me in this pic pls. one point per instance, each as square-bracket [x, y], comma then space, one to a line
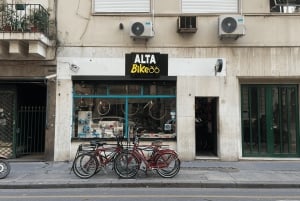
[103, 107]
[4, 169]
[126, 165]
[85, 165]
[168, 165]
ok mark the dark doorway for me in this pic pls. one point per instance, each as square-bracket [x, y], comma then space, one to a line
[206, 126]
[22, 118]
[31, 114]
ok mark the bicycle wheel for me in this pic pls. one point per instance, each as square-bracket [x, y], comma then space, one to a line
[126, 165]
[133, 109]
[103, 107]
[4, 169]
[85, 165]
[156, 111]
[168, 165]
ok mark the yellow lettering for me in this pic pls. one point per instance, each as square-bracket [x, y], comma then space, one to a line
[139, 68]
[134, 68]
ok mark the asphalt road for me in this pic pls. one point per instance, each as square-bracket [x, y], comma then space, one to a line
[150, 194]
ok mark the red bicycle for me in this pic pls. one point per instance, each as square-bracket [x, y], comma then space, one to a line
[164, 161]
[88, 163]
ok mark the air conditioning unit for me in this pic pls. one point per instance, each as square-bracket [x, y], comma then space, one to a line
[231, 26]
[141, 29]
[187, 24]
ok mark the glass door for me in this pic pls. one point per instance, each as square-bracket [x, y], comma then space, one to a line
[269, 120]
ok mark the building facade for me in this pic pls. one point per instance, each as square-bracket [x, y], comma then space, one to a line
[214, 79]
[27, 59]
[224, 89]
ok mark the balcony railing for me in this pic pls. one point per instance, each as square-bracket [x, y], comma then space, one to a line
[24, 18]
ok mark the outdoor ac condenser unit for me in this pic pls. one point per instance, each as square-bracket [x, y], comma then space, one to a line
[141, 29]
[231, 26]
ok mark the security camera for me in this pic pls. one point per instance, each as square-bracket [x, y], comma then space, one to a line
[48, 77]
[74, 68]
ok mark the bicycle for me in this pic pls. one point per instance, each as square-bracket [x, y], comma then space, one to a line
[4, 167]
[89, 163]
[86, 148]
[164, 161]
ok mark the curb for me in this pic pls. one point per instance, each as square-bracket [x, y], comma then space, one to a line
[152, 185]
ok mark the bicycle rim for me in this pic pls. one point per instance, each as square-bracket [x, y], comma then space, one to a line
[85, 166]
[126, 165]
[168, 165]
[4, 169]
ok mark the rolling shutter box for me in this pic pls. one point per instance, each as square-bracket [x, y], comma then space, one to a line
[211, 6]
[121, 6]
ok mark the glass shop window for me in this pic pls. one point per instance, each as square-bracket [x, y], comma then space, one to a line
[101, 109]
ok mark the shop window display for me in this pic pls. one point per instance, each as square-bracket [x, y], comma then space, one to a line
[104, 109]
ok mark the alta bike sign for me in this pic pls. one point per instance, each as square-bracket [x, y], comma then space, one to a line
[146, 65]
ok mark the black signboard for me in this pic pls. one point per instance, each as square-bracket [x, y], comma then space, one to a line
[146, 65]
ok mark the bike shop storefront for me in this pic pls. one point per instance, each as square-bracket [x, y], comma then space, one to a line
[146, 99]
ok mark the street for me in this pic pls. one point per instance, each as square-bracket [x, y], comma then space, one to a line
[147, 194]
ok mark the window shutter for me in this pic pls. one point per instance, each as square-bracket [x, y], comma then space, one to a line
[119, 6]
[209, 6]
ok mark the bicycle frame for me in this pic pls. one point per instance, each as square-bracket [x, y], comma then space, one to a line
[106, 155]
[157, 151]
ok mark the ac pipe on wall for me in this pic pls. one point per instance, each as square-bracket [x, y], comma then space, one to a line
[241, 7]
[153, 14]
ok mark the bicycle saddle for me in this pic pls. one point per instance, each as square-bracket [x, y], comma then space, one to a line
[97, 143]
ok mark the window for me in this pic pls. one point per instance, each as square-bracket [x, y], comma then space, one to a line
[212, 6]
[103, 109]
[121, 6]
[284, 6]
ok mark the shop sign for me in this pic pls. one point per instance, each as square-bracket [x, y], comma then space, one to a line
[146, 65]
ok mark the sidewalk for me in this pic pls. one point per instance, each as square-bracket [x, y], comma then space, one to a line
[198, 174]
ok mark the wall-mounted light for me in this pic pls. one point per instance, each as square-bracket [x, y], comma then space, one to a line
[218, 66]
[74, 68]
[52, 76]
[121, 26]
